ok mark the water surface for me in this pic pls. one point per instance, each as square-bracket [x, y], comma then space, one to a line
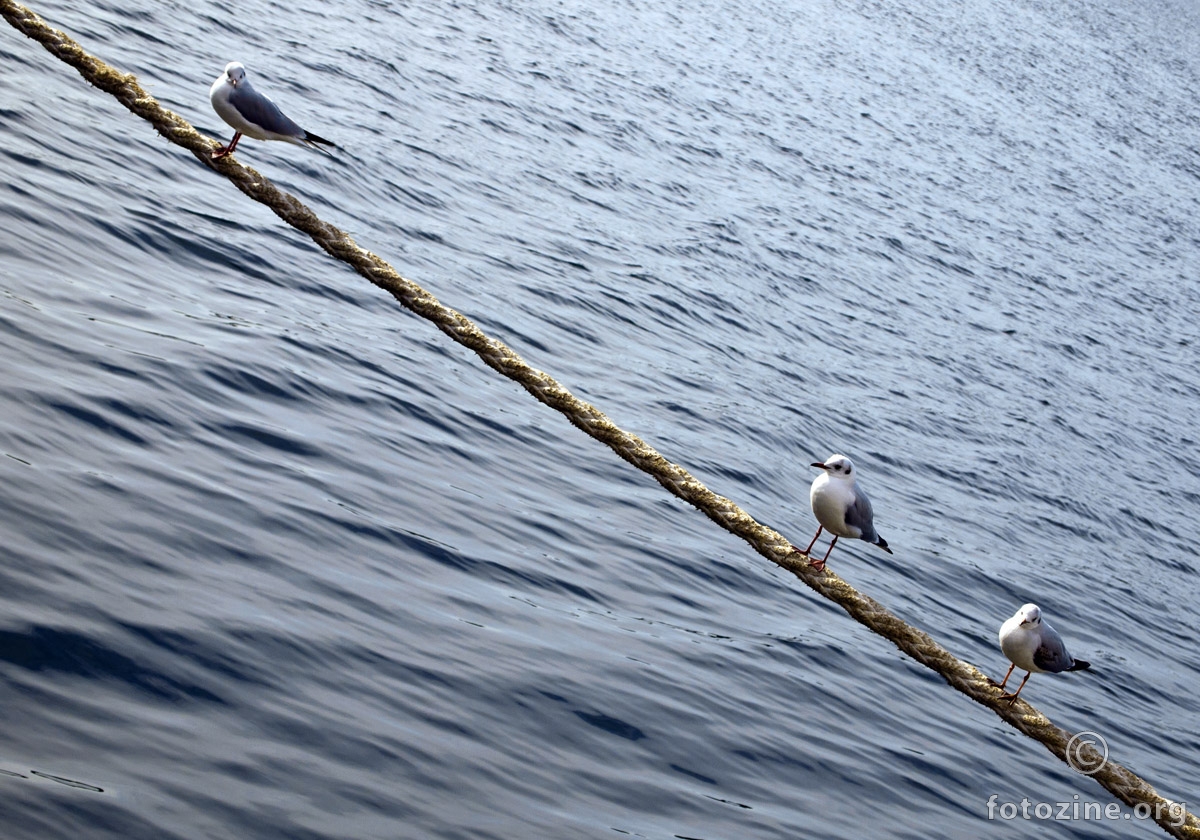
[279, 560]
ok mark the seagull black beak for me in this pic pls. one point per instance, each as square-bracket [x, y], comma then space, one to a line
[818, 464]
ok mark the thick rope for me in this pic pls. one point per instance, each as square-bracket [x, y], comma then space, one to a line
[1122, 783]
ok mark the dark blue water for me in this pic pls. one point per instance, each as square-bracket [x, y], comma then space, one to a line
[280, 561]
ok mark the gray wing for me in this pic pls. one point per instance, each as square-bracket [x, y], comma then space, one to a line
[859, 515]
[261, 111]
[1051, 654]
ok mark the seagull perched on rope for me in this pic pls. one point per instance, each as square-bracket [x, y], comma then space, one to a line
[250, 113]
[841, 507]
[1035, 646]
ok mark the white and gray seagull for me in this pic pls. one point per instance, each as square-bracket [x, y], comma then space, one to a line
[1035, 646]
[840, 506]
[250, 113]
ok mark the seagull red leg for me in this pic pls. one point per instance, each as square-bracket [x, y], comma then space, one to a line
[1012, 698]
[226, 151]
[819, 565]
[820, 528]
[1004, 681]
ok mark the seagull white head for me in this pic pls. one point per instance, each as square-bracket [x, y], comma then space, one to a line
[235, 73]
[838, 466]
[1031, 614]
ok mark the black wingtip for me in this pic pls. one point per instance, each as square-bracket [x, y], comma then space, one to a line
[882, 543]
[309, 137]
[1079, 665]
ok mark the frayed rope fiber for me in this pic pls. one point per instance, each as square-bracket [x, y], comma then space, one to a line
[966, 678]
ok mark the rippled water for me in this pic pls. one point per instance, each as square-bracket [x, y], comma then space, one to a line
[279, 560]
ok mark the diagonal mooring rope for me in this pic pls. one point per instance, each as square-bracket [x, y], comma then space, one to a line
[1122, 783]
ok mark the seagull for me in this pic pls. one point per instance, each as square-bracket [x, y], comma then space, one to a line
[841, 506]
[249, 112]
[1034, 645]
